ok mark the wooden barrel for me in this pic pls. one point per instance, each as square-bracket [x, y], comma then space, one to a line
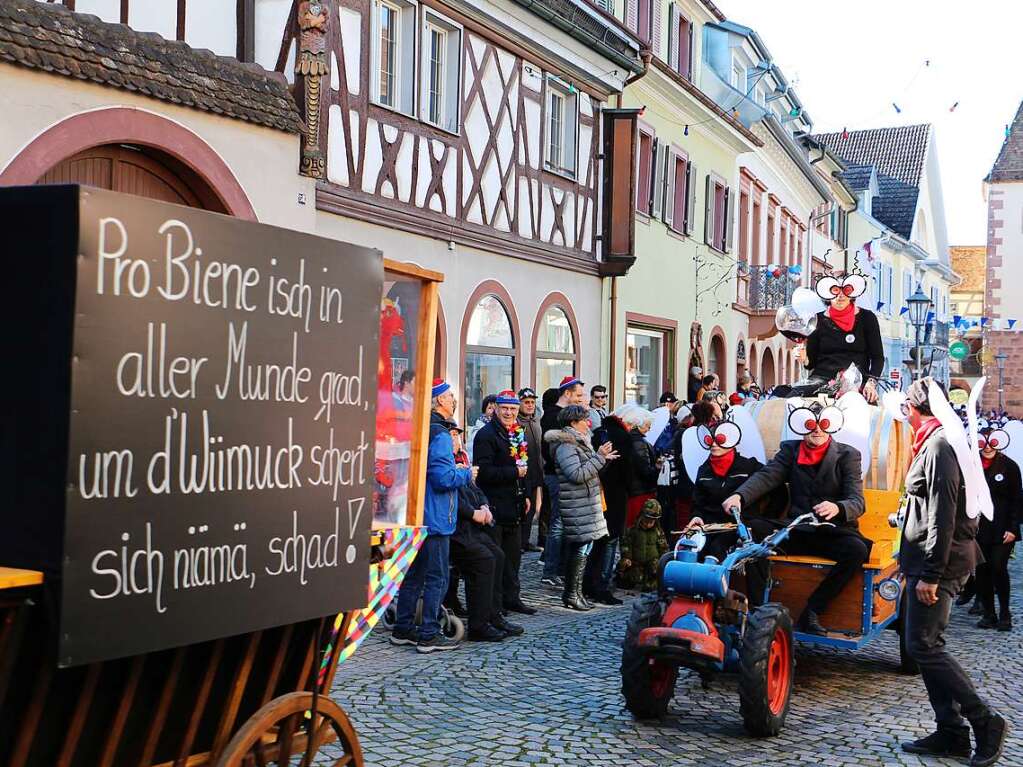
[890, 441]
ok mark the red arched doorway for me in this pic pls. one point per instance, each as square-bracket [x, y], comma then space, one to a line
[767, 377]
[138, 170]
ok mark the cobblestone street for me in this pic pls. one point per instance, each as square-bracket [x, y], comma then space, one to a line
[552, 697]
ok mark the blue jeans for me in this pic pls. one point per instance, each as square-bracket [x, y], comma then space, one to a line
[552, 554]
[427, 576]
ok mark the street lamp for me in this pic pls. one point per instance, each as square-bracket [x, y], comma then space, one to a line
[1000, 358]
[919, 305]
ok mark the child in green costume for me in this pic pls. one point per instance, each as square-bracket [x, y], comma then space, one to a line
[642, 547]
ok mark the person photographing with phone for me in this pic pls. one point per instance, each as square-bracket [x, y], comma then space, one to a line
[937, 554]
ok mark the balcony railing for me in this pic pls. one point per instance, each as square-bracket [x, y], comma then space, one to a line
[760, 290]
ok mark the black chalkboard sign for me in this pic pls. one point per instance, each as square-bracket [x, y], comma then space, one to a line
[199, 419]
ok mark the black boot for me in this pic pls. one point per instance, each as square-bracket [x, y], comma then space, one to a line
[977, 608]
[989, 621]
[1005, 621]
[572, 596]
[809, 623]
[990, 737]
[947, 741]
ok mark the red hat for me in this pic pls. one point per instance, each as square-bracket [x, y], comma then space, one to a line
[735, 399]
[568, 382]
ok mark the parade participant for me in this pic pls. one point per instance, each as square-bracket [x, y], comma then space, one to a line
[501, 454]
[846, 334]
[998, 536]
[578, 466]
[530, 421]
[718, 478]
[823, 477]
[643, 545]
[547, 401]
[643, 466]
[700, 414]
[479, 559]
[936, 554]
[570, 392]
[486, 416]
[428, 574]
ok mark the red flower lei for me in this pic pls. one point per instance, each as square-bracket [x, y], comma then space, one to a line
[517, 437]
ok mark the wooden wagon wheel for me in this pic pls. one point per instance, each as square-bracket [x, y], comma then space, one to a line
[277, 735]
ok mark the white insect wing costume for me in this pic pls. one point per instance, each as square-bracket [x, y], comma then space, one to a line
[738, 430]
[965, 444]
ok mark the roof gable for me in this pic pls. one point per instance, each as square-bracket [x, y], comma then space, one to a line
[1009, 163]
[897, 152]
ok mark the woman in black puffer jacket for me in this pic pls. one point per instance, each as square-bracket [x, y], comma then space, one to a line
[578, 466]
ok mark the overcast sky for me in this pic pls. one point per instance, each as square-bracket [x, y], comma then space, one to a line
[851, 60]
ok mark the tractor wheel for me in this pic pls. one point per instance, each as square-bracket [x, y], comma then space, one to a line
[906, 663]
[766, 670]
[648, 686]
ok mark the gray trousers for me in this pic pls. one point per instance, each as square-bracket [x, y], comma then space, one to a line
[949, 687]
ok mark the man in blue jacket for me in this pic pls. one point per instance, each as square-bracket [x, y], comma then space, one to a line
[428, 575]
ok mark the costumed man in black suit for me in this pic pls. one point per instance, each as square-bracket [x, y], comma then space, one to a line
[845, 334]
[824, 478]
[998, 536]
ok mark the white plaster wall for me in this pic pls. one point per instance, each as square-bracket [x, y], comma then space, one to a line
[271, 16]
[1010, 273]
[465, 268]
[264, 161]
[160, 16]
[212, 25]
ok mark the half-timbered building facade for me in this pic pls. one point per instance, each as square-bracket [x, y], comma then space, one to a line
[461, 136]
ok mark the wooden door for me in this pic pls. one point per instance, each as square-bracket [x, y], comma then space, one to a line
[128, 169]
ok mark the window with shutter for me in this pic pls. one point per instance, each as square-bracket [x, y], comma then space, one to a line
[644, 19]
[756, 235]
[770, 236]
[685, 47]
[619, 177]
[708, 212]
[643, 171]
[631, 14]
[690, 196]
[660, 180]
[728, 219]
[653, 178]
[673, 17]
[655, 29]
[675, 197]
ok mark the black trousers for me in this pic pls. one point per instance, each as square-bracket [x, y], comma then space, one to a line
[481, 562]
[527, 526]
[993, 577]
[509, 539]
[848, 549]
[757, 570]
[949, 688]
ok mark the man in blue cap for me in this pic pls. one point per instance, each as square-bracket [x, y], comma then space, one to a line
[428, 574]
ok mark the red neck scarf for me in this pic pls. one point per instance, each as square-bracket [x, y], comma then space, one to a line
[927, 428]
[986, 462]
[811, 456]
[844, 318]
[720, 464]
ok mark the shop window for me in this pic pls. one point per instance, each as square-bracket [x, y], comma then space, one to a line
[489, 353]
[396, 365]
[646, 368]
[556, 355]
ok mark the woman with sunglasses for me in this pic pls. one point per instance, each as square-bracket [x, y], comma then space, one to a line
[845, 334]
[998, 536]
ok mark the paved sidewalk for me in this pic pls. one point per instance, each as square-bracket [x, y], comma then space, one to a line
[551, 697]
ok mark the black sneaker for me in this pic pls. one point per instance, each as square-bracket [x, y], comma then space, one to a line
[987, 622]
[608, 598]
[509, 628]
[990, 740]
[487, 634]
[944, 742]
[551, 583]
[403, 637]
[436, 643]
[964, 598]
[977, 608]
[519, 607]
[1005, 623]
